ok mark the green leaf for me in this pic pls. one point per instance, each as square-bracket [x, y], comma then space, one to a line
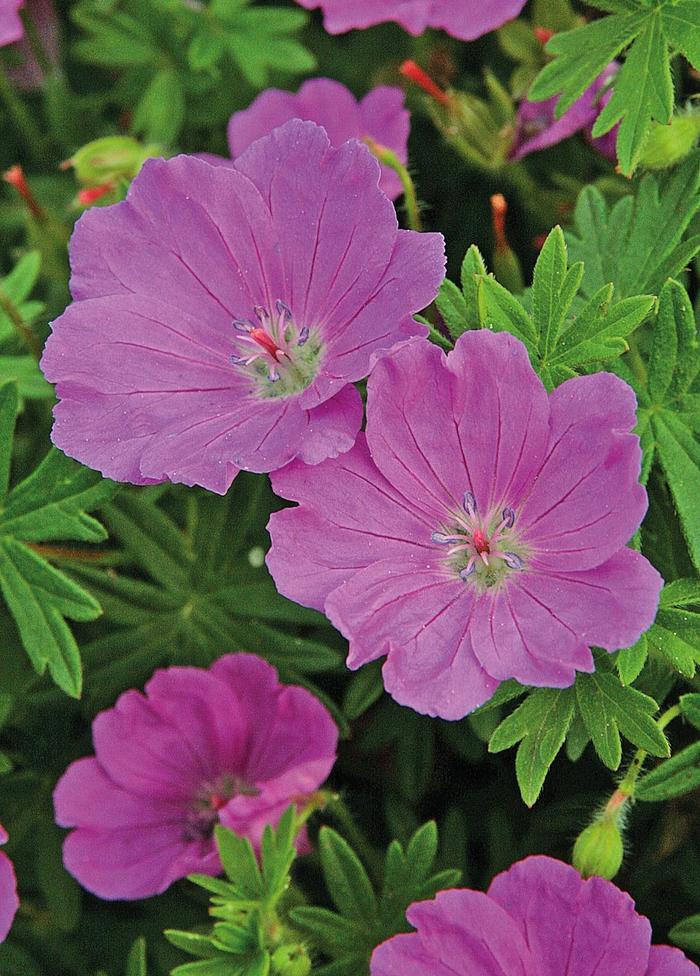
[365, 687]
[39, 597]
[9, 405]
[160, 112]
[690, 708]
[452, 305]
[678, 452]
[540, 725]
[686, 934]
[631, 660]
[240, 863]
[136, 960]
[366, 919]
[638, 242]
[609, 709]
[676, 776]
[643, 91]
[25, 372]
[553, 290]
[642, 88]
[346, 878]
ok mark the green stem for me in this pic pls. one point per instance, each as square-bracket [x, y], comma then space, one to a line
[390, 159]
[26, 125]
[26, 334]
[36, 44]
[626, 787]
[636, 361]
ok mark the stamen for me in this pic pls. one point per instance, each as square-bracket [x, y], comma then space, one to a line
[469, 504]
[303, 336]
[508, 517]
[446, 540]
[470, 568]
[261, 313]
[243, 325]
[513, 560]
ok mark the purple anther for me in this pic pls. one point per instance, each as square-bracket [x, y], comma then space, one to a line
[283, 309]
[468, 570]
[469, 504]
[446, 540]
[273, 375]
[262, 314]
[239, 360]
[243, 325]
[508, 517]
[513, 560]
[303, 336]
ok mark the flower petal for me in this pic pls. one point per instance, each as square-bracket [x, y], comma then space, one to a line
[576, 515]
[608, 606]
[577, 927]
[332, 427]
[470, 933]
[418, 615]
[517, 636]
[667, 961]
[129, 864]
[9, 899]
[349, 517]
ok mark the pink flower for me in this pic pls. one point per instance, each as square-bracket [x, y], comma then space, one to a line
[227, 745]
[537, 128]
[222, 314]
[465, 19]
[380, 114]
[478, 532]
[11, 27]
[28, 73]
[539, 918]
[9, 901]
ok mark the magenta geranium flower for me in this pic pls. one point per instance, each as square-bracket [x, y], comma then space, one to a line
[227, 745]
[222, 313]
[28, 73]
[539, 918]
[465, 19]
[478, 532]
[537, 127]
[9, 900]
[11, 27]
[381, 115]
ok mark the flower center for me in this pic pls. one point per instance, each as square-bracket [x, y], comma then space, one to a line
[281, 357]
[211, 797]
[483, 551]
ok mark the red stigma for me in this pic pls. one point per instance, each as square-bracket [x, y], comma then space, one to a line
[16, 178]
[265, 340]
[481, 543]
[542, 34]
[217, 801]
[414, 73]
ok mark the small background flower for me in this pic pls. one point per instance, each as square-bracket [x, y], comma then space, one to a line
[11, 27]
[380, 114]
[537, 127]
[539, 918]
[9, 900]
[464, 19]
[227, 745]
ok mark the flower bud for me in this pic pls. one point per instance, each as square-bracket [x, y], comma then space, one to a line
[667, 145]
[598, 849]
[109, 159]
[291, 960]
